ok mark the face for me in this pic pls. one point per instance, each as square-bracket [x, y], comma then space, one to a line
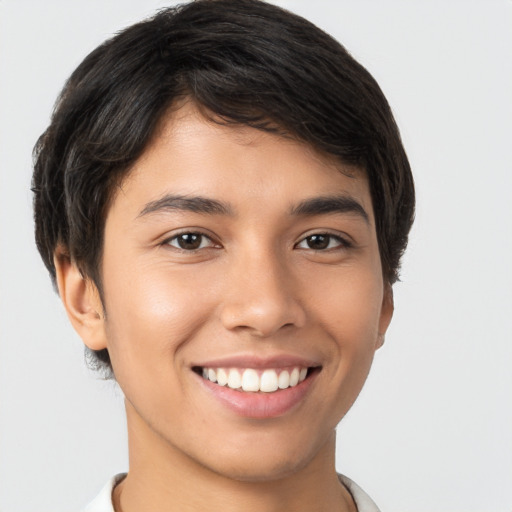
[243, 296]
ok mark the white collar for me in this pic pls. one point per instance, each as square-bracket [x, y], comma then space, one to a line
[103, 502]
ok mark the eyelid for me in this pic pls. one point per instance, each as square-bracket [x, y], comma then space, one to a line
[345, 241]
[192, 231]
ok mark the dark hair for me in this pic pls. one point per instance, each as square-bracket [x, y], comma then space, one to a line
[243, 61]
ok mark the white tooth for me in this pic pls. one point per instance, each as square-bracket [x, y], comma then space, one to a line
[284, 380]
[222, 377]
[212, 375]
[250, 380]
[269, 382]
[302, 374]
[294, 377]
[234, 379]
[205, 373]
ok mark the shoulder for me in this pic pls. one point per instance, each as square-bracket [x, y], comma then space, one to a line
[103, 501]
[363, 502]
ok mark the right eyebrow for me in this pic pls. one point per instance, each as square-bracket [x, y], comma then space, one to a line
[196, 204]
[323, 205]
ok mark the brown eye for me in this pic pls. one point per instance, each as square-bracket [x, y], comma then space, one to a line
[318, 242]
[322, 242]
[190, 241]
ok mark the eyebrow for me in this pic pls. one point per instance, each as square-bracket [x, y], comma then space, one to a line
[330, 204]
[309, 207]
[195, 204]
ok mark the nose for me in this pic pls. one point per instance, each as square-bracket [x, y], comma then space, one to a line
[261, 297]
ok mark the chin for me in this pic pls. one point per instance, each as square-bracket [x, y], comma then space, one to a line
[265, 463]
[262, 470]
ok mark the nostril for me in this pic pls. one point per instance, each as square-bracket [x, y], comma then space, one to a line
[261, 320]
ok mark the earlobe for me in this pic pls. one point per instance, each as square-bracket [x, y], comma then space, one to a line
[386, 314]
[81, 300]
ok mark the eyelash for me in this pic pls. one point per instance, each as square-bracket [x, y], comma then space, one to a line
[341, 243]
[198, 234]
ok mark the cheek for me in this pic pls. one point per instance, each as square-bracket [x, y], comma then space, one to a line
[348, 305]
[351, 320]
[150, 314]
[349, 301]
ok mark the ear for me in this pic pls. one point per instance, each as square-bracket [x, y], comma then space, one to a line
[386, 314]
[82, 301]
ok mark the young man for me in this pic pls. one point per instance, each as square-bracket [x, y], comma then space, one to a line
[222, 199]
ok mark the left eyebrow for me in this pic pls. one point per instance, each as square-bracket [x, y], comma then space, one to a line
[186, 203]
[330, 204]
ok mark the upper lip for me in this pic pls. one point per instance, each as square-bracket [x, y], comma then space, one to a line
[259, 362]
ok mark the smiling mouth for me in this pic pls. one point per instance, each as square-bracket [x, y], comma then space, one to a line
[251, 380]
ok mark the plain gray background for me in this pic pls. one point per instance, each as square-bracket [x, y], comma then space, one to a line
[432, 430]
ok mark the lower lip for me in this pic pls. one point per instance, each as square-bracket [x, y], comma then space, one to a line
[260, 405]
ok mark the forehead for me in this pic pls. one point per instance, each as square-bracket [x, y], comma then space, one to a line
[193, 155]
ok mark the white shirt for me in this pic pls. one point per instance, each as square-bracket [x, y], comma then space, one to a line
[103, 502]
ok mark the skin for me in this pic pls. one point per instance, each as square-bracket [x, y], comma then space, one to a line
[253, 287]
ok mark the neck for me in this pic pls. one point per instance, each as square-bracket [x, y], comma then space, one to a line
[162, 477]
